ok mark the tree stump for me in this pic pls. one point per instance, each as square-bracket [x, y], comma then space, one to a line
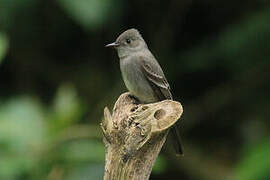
[134, 135]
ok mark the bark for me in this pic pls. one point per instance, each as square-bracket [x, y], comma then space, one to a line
[134, 135]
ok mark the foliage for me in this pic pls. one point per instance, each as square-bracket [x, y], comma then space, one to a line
[88, 13]
[34, 138]
[255, 164]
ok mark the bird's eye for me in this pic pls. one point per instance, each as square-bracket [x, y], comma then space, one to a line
[128, 41]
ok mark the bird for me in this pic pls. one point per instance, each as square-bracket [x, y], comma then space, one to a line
[142, 74]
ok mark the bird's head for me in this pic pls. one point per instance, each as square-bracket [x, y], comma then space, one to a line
[128, 42]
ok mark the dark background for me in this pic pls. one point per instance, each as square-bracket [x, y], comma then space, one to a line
[57, 77]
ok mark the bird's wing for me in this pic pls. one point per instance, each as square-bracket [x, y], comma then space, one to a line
[156, 78]
[160, 86]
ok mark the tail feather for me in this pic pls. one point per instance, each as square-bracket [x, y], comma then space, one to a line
[177, 140]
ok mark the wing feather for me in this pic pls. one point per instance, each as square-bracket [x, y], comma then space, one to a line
[161, 87]
[156, 78]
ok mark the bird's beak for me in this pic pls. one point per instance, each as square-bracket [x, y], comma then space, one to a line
[114, 44]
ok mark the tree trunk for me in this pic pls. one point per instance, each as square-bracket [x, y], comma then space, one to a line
[134, 135]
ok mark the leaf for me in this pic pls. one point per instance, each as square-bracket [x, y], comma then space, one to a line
[255, 163]
[22, 134]
[67, 106]
[88, 13]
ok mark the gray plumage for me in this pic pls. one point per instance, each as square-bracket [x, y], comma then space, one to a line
[142, 74]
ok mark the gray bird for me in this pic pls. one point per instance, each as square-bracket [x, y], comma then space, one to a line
[142, 74]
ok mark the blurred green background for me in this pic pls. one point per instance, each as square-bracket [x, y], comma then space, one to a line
[56, 78]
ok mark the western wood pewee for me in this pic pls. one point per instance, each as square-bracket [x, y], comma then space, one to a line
[142, 74]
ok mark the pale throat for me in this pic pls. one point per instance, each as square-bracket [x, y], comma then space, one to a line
[123, 53]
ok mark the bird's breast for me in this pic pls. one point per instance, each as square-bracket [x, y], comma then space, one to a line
[135, 80]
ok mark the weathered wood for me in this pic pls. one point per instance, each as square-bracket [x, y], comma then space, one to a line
[134, 135]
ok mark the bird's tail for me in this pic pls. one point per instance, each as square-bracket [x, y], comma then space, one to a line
[177, 140]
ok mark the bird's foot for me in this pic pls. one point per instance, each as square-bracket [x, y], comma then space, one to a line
[135, 99]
